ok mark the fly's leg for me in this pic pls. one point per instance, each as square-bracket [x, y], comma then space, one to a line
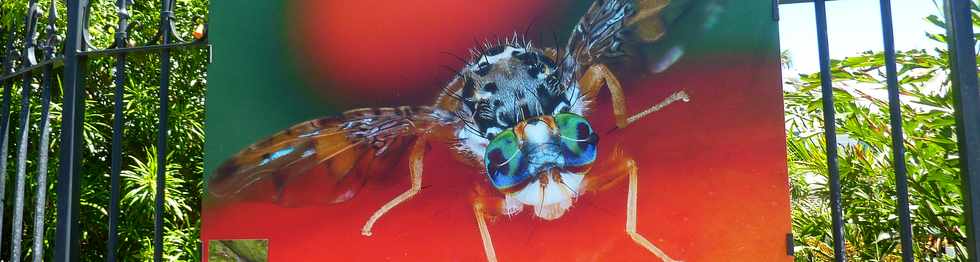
[481, 222]
[608, 173]
[415, 164]
[631, 215]
[599, 75]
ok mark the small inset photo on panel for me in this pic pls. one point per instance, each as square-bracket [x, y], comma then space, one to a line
[238, 250]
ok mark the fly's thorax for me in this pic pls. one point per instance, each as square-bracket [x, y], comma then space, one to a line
[509, 83]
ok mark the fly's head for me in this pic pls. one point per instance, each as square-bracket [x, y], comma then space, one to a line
[524, 125]
[543, 160]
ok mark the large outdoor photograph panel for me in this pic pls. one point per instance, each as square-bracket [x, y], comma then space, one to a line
[517, 130]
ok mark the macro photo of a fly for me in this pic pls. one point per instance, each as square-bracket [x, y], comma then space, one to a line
[515, 110]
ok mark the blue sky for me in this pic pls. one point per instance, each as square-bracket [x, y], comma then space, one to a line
[853, 26]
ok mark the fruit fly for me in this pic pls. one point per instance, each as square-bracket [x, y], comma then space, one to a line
[515, 110]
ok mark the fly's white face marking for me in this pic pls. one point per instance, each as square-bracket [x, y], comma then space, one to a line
[512, 206]
[537, 132]
[551, 201]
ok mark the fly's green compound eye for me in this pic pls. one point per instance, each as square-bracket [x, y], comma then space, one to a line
[578, 139]
[506, 166]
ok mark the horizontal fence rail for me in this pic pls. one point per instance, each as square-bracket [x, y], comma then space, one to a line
[72, 62]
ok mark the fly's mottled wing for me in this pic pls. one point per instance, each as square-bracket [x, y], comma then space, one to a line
[321, 161]
[601, 31]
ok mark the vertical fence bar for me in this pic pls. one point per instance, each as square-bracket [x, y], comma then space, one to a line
[117, 129]
[67, 236]
[165, 24]
[4, 69]
[17, 223]
[830, 130]
[5, 122]
[963, 66]
[898, 139]
[40, 199]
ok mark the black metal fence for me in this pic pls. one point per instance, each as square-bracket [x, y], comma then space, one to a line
[76, 50]
[963, 66]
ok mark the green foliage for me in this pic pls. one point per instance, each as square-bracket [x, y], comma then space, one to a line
[185, 138]
[141, 182]
[866, 162]
[238, 250]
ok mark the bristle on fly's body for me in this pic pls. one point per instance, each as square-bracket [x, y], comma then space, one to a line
[518, 41]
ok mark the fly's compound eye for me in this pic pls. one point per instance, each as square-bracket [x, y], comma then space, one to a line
[578, 140]
[506, 166]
